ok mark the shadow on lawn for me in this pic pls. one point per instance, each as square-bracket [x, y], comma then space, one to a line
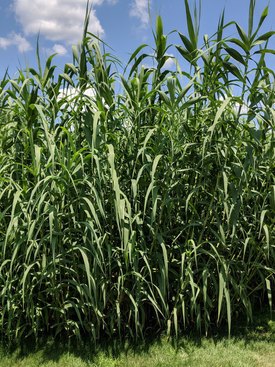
[261, 330]
[53, 349]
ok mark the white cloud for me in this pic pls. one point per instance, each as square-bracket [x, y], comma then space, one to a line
[4, 42]
[15, 39]
[71, 93]
[139, 9]
[59, 49]
[57, 20]
[69, 100]
[242, 108]
[170, 62]
[69, 97]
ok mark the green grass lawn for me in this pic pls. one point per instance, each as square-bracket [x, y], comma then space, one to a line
[253, 347]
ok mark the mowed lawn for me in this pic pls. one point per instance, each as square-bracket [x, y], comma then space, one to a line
[254, 347]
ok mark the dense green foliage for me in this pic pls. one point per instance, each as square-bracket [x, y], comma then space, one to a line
[143, 202]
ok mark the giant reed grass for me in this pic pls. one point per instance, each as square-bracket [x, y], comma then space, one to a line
[147, 209]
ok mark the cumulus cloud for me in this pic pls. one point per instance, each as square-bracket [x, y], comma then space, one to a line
[57, 20]
[139, 10]
[59, 49]
[15, 39]
[71, 93]
[170, 62]
[69, 99]
[242, 108]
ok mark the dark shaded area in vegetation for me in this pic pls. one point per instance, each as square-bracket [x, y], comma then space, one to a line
[248, 346]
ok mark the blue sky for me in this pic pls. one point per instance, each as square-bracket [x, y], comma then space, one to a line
[123, 24]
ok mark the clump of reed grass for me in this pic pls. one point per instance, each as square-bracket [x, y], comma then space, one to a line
[147, 210]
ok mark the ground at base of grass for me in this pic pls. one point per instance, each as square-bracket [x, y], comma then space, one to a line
[253, 347]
